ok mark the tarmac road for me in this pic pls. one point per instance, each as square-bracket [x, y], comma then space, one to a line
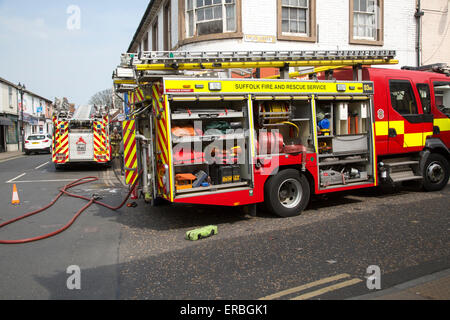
[140, 253]
[91, 242]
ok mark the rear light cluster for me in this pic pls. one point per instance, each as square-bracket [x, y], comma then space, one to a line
[101, 157]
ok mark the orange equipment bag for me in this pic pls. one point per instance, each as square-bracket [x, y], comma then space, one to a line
[187, 131]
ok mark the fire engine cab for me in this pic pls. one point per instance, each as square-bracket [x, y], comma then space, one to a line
[412, 124]
[239, 142]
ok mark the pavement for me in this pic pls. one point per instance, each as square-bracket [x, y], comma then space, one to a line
[140, 253]
[4, 156]
[431, 287]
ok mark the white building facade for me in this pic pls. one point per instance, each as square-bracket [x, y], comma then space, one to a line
[434, 32]
[224, 25]
[36, 114]
[9, 118]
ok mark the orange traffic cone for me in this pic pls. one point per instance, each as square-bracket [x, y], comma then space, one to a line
[15, 196]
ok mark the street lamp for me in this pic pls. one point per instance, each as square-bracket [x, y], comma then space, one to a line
[22, 88]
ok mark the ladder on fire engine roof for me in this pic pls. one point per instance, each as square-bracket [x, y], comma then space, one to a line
[61, 108]
[436, 67]
[145, 66]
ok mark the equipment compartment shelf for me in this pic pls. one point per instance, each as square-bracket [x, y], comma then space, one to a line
[342, 154]
[323, 164]
[213, 187]
[353, 182]
[189, 139]
[204, 116]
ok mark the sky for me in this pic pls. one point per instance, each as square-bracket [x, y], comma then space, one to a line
[60, 48]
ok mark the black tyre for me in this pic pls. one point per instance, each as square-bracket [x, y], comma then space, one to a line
[27, 152]
[435, 173]
[287, 194]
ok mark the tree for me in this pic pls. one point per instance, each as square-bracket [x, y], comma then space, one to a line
[102, 98]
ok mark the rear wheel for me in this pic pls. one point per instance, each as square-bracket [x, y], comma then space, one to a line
[287, 194]
[435, 172]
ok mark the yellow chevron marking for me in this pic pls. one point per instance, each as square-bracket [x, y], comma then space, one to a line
[130, 163]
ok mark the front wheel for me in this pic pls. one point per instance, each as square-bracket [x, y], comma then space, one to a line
[287, 194]
[435, 173]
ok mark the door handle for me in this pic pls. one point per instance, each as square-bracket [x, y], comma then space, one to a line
[392, 133]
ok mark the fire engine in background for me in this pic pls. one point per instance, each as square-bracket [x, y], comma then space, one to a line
[80, 137]
[242, 142]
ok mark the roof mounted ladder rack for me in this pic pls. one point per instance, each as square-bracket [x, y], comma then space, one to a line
[150, 64]
[436, 67]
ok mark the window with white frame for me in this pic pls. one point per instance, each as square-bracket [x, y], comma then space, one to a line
[210, 16]
[295, 17]
[365, 17]
[10, 97]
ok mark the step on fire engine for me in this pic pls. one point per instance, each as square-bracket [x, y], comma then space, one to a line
[80, 137]
[240, 142]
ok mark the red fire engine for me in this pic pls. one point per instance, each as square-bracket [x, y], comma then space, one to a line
[240, 142]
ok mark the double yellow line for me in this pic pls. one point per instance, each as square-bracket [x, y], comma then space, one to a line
[318, 292]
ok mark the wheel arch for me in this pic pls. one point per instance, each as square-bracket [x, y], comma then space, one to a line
[435, 145]
[306, 173]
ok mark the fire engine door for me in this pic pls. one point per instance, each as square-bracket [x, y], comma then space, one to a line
[408, 124]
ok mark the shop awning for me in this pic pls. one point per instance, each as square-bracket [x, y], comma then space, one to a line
[5, 122]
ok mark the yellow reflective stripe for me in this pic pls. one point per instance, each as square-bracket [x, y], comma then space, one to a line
[413, 140]
[399, 126]
[169, 143]
[374, 156]
[252, 129]
[443, 124]
[316, 139]
[382, 128]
